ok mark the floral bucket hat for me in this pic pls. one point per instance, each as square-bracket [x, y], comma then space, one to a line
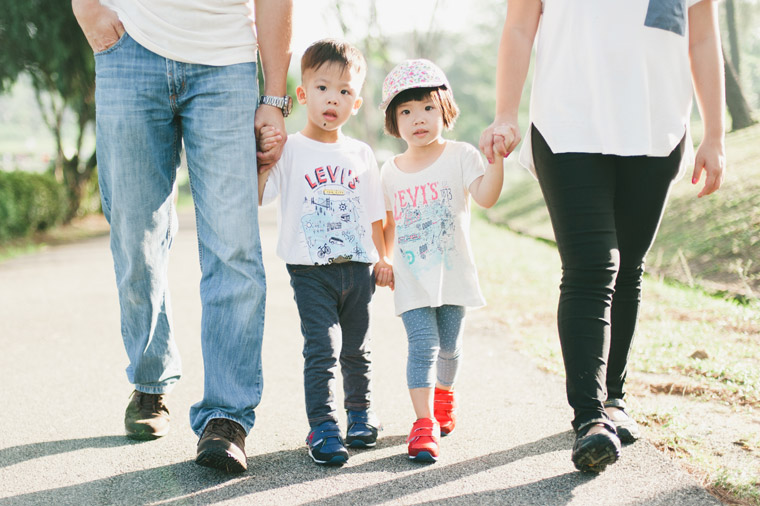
[411, 74]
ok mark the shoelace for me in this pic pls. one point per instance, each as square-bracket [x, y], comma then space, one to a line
[224, 427]
[151, 403]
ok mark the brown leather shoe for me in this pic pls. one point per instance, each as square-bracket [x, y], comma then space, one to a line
[147, 417]
[222, 446]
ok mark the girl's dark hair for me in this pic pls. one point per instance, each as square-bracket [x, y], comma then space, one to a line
[441, 96]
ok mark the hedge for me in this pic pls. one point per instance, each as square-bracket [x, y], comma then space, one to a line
[29, 203]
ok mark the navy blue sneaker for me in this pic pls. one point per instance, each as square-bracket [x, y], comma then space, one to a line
[326, 445]
[362, 429]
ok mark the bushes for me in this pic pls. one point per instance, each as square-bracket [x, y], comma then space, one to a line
[29, 203]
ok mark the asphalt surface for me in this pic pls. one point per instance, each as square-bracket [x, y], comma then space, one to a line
[63, 392]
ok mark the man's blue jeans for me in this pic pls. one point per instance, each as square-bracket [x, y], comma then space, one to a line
[146, 106]
[333, 303]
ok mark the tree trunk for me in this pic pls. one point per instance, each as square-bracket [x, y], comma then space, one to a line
[738, 107]
[733, 35]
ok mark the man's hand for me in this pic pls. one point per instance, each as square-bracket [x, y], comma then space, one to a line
[100, 25]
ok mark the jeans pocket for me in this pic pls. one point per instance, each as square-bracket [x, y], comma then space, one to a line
[113, 47]
[667, 15]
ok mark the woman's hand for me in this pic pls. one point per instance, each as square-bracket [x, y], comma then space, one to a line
[499, 139]
[711, 159]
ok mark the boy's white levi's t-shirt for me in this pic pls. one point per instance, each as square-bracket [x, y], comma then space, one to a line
[330, 195]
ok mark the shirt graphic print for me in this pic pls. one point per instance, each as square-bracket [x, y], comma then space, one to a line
[425, 225]
[330, 216]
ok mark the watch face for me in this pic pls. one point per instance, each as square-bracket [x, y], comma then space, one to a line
[288, 105]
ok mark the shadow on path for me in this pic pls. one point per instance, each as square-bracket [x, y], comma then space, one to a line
[186, 482]
[16, 454]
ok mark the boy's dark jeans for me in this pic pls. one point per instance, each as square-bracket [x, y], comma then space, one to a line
[333, 303]
[605, 211]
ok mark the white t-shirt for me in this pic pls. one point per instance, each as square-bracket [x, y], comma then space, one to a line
[330, 195]
[612, 78]
[209, 32]
[433, 264]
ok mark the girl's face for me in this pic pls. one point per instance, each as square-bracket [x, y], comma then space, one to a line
[420, 123]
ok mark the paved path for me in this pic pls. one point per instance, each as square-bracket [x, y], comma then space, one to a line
[63, 393]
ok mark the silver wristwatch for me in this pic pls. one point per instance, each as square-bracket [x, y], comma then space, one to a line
[285, 104]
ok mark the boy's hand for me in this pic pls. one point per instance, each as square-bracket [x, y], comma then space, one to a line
[384, 273]
[268, 140]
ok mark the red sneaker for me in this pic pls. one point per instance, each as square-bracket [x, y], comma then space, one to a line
[423, 440]
[444, 410]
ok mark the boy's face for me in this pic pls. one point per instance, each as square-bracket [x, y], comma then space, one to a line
[331, 96]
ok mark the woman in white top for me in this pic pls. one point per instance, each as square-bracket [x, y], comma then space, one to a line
[609, 134]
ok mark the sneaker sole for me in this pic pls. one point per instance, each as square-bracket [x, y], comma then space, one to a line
[595, 460]
[423, 457]
[220, 460]
[358, 443]
[337, 460]
[146, 436]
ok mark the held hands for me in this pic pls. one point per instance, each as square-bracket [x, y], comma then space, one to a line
[270, 136]
[711, 159]
[500, 139]
[100, 25]
[384, 273]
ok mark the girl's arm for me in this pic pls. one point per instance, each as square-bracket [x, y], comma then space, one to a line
[389, 234]
[709, 86]
[486, 189]
[383, 268]
[513, 60]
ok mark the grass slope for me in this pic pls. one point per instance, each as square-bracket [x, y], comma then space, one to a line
[712, 242]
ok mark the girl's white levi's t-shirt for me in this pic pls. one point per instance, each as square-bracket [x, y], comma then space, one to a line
[433, 263]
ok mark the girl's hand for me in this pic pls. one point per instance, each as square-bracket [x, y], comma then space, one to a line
[711, 159]
[384, 273]
[499, 139]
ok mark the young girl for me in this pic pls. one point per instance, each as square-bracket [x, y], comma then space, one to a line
[427, 192]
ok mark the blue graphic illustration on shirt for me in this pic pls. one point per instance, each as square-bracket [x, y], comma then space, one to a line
[668, 15]
[331, 218]
[425, 229]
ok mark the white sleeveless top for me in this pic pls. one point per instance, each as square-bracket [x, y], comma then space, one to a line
[209, 32]
[612, 77]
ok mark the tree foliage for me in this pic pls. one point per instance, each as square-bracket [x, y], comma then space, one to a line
[42, 39]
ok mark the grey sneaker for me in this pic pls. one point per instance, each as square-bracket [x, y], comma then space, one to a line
[222, 446]
[147, 417]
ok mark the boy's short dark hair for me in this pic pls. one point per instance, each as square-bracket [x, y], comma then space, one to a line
[334, 51]
[441, 96]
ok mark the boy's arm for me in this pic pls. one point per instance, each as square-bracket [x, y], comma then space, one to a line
[486, 189]
[383, 268]
[268, 138]
[263, 177]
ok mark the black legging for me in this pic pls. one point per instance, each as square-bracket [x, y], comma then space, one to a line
[605, 211]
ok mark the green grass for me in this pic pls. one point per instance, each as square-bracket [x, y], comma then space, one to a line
[712, 242]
